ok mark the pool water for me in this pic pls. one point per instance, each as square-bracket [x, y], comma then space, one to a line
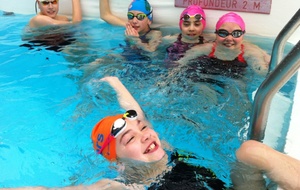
[50, 101]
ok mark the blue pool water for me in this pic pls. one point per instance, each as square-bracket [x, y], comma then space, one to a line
[50, 101]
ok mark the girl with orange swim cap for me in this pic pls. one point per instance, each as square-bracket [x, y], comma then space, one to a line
[129, 140]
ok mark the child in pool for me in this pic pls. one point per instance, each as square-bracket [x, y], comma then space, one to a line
[138, 32]
[48, 14]
[49, 29]
[192, 22]
[130, 141]
[229, 48]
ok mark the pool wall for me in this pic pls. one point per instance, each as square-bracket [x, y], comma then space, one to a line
[293, 140]
[165, 14]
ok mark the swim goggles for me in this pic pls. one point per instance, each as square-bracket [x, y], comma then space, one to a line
[118, 127]
[224, 33]
[139, 16]
[186, 17]
[45, 2]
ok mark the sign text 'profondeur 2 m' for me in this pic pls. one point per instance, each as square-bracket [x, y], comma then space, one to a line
[255, 6]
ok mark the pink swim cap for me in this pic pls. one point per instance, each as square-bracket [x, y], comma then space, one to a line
[231, 17]
[192, 10]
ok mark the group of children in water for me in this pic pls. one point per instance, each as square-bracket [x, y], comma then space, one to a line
[129, 139]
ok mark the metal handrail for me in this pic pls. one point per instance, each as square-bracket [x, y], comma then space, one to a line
[281, 39]
[276, 78]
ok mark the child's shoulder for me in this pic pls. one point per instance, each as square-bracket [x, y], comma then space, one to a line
[250, 48]
[62, 17]
[154, 34]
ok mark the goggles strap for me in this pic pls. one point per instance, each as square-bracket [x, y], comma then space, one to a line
[107, 141]
[130, 114]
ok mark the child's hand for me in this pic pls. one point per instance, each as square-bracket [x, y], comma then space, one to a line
[130, 31]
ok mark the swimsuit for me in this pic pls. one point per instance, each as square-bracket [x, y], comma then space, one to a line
[178, 48]
[133, 54]
[240, 57]
[212, 65]
[144, 37]
[137, 64]
[184, 176]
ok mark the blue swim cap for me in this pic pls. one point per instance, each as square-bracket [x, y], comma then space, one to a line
[143, 6]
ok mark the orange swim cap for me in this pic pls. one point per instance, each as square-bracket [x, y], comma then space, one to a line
[101, 132]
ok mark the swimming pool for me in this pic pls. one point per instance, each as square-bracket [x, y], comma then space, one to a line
[51, 100]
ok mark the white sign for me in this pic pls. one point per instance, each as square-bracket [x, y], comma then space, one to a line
[254, 6]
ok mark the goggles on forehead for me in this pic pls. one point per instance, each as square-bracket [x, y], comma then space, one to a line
[139, 16]
[224, 33]
[46, 2]
[187, 17]
[118, 127]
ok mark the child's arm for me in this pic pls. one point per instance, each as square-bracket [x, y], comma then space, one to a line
[126, 100]
[154, 41]
[107, 16]
[257, 58]
[281, 168]
[76, 11]
[195, 52]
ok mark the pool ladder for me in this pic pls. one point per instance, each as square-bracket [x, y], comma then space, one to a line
[280, 71]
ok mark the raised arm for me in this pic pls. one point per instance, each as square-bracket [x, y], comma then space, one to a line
[107, 16]
[126, 100]
[77, 13]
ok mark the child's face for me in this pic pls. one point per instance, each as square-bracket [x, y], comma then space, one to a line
[49, 8]
[229, 41]
[191, 29]
[139, 142]
[141, 26]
